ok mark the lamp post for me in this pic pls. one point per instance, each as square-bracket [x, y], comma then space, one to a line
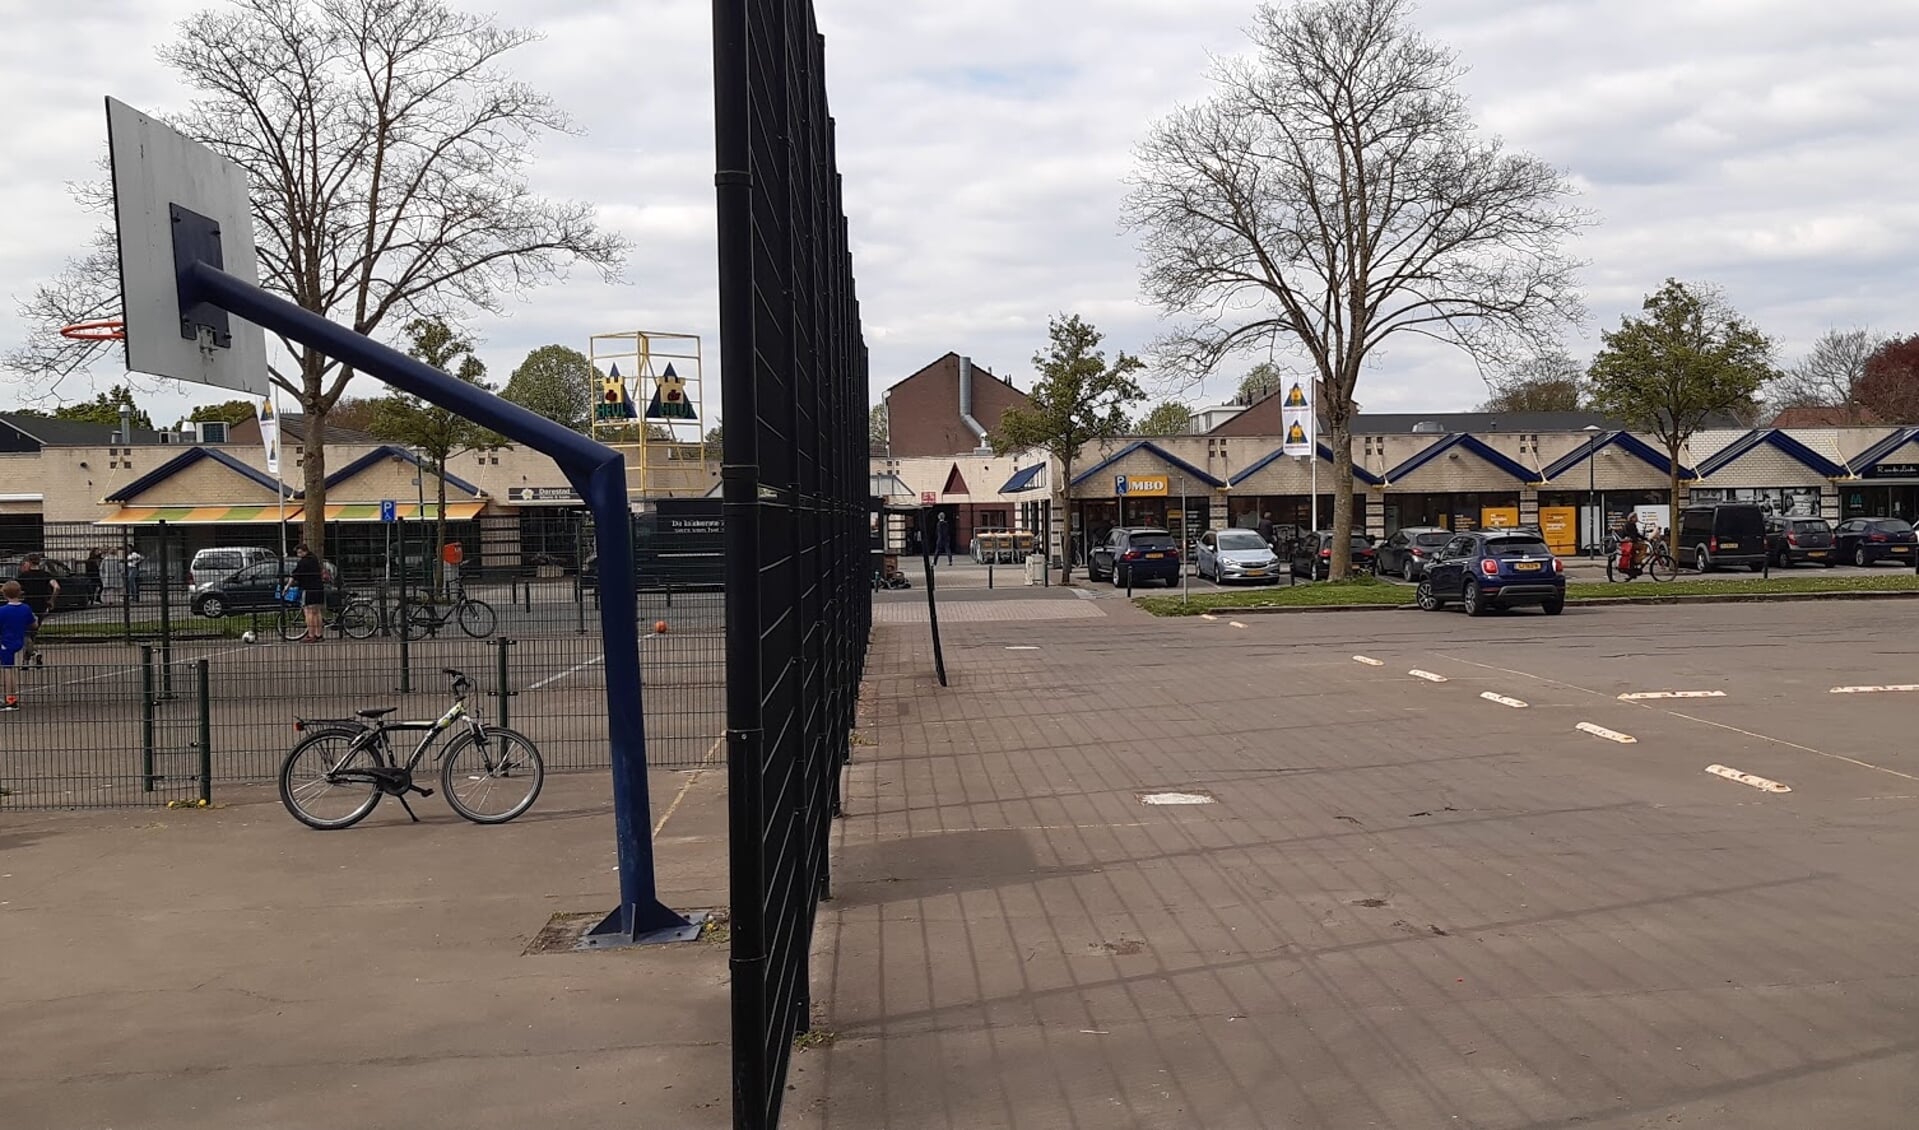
[1592, 493]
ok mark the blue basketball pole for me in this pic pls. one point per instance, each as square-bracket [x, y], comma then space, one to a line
[598, 473]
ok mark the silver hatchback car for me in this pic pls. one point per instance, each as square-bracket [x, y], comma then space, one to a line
[1236, 555]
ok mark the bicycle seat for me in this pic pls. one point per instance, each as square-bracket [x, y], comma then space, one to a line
[376, 711]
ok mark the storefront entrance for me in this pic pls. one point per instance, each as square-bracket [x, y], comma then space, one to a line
[1473, 510]
[1898, 500]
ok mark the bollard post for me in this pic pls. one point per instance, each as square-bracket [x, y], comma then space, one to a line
[500, 672]
[147, 706]
[205, 680]
[1129, 581]
[989, 572]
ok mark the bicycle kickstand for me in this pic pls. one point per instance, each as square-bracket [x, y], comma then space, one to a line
[408, 807]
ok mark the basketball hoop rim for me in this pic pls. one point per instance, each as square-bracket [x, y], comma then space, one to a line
[100, 329]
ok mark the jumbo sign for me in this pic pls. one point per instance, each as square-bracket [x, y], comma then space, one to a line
[1140, 486]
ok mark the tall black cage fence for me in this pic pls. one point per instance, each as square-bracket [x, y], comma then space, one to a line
[798, 539]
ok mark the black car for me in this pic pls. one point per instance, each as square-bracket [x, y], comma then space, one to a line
[1313, 555]
[257, 588]
[1800, 541]
[1864, 541]
[1409, 551]
[1494, 569]
[1144, 553]
[77, 590]
[1720, 536]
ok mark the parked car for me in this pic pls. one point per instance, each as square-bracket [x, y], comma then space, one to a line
[1235, 555]
[77, 590]
[1863, 541]
[257, 588]
[1722, 535]
[217, 563]
[1313, 555]
[1148, 554]
[1408, 552]
[1799, 541]
[1494, 569]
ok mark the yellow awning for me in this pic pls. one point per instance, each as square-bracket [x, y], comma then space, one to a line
[411, 511]
[198, 515]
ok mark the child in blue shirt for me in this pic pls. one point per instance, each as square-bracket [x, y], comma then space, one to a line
[16, 620]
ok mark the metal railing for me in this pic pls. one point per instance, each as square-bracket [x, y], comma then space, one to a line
[798, 548]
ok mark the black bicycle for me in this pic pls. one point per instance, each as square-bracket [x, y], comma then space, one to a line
[475, 617]
[337, 774]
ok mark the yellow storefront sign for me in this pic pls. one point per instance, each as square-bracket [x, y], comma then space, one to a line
[1560, 525]
[1498, 517]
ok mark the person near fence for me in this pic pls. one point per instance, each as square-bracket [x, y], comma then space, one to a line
[94, 558]
[130, 574]
[16, 624]
[40, 591]
[943, 539]
[310, 579]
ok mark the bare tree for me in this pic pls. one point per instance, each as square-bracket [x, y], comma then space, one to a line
[1332, 193]
[385, 146]
[1830, 375]
[1548, 382]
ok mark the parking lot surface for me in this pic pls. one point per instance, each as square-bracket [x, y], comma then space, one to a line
[1409, 871]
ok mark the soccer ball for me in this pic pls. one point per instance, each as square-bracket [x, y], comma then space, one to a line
[248, 637]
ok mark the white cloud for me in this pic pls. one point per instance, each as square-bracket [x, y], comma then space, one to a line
[1767, 146]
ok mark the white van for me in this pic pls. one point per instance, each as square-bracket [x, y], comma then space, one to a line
[216, 564]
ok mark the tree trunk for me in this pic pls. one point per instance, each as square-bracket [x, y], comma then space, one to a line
[313, 475]
[1341, 564]
[439, 520]
[1066, 521]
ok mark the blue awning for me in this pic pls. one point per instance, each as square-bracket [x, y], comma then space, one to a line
[1023, 480]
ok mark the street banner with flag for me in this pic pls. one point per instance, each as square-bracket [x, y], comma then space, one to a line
[614, 403]
[1297, 423]
[669, 399]
[270, 436]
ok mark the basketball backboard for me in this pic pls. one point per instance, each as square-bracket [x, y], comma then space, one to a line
[170, 191]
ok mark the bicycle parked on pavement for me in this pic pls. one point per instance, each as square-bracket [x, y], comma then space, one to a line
[475, 617]
[337, 774]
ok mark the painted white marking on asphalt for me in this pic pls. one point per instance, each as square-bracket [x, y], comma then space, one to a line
[573, 670]
[1021, 647]
[1236, 623]
[1641, 696]
[1755, 781]
[1426, 675]
[1175, 798]
[1208, 616]
[1369, 661]
[1876, 690]
[1598, 731]
[1502, 700]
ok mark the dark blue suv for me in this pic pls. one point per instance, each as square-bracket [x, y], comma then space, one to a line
[1147, 554]
[1494, 569]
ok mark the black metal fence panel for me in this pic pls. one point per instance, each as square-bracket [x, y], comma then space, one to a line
[799, 539]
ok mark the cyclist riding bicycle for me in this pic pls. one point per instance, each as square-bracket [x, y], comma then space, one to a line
[1631, 542]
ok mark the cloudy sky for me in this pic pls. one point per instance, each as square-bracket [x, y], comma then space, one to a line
[1766, 146]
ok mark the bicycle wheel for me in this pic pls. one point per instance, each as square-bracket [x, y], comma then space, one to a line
[311, 790]
[493, 781]
[293, 625]
[1661, 567]
[1611, 573]
[421, 622]
[358, 619]
[476, 618]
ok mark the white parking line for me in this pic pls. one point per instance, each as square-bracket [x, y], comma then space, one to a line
[1598, 731]
[575, 669]
[1875, 690]
[1502, 700]
[1426, 675]
[1369, 661]
[1756, 782]
[1021, 647]
[1208, 616]
[1236, 623]
[1641, 696]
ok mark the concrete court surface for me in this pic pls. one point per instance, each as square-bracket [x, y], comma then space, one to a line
[167, 970]
[1406, 905]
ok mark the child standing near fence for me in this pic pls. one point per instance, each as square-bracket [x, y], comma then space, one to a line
[16, 620]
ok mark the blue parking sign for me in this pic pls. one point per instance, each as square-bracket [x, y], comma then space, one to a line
[1119, 484]
[389, 510]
